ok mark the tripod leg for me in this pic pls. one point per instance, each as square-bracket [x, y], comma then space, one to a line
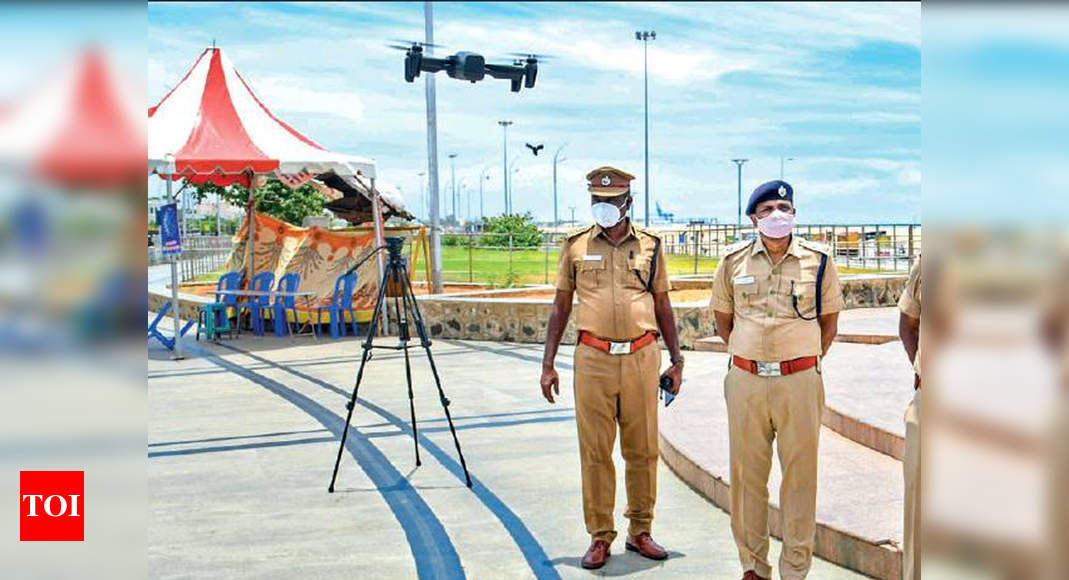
[410, 301]
[402, 331]
[356, 388]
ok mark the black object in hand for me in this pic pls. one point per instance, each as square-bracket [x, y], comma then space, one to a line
[666, 386]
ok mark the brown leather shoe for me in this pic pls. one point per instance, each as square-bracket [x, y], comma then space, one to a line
[644, 545]
[751, 575]
[596, 555]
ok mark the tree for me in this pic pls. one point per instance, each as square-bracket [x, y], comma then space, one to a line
[521, 227]
[273, 198]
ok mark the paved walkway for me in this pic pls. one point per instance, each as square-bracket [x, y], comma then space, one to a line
[242, 439]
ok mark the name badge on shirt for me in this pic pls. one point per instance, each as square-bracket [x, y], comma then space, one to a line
[591, 258]
[743, 280]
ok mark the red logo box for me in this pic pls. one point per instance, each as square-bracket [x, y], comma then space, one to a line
[51, 506]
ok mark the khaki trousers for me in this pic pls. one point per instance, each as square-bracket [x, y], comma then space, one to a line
[761, 409]
[611, 390]
[911, 471]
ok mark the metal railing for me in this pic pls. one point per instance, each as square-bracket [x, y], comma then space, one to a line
[501, 260]
[200, 255]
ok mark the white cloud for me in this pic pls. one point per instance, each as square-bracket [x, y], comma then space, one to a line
[294, 95]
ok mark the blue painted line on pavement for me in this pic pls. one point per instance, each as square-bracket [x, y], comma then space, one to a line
[433, 551]
[531, 549]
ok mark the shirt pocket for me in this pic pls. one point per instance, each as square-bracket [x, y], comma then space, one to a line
[639, 269]
[745, 290]
[802, 293]
[590, 274]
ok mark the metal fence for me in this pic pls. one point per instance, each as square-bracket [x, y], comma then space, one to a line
[200, 255]
[501, 260]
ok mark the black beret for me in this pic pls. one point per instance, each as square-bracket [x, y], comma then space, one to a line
[775, 189]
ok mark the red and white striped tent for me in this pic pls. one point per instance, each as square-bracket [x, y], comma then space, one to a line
[80, 128]
[216, 129]
[211, 127]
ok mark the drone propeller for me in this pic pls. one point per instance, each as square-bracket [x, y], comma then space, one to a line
[531, 55]
[410, 43]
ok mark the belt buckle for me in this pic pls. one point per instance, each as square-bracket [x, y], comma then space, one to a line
[769, 369]
[619, 347]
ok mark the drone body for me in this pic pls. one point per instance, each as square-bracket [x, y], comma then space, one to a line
[469, 66]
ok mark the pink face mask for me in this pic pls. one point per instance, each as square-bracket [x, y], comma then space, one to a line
[777, 224]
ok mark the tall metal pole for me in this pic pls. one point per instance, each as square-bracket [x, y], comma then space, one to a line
[423, 196]
[645, 36]
[453, 187]
[738, 218]
[218, 206]
[482, 178]
[556, 220]
[512, 170]
[781, 160]
[505, 163]
[432, 157]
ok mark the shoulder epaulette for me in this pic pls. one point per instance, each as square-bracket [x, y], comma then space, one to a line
[815, 246]
[573, 233]
[738, 246]
[647, 232]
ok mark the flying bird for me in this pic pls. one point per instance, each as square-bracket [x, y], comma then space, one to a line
[535, 148]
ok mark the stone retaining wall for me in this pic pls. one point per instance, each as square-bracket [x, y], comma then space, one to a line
[496, 317]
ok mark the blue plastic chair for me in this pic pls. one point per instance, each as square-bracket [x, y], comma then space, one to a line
[340, 303]
[287, 283]
[257, 305]
[228, 281]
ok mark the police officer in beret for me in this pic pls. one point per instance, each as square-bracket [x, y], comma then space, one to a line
[618, 273]
[776, 300]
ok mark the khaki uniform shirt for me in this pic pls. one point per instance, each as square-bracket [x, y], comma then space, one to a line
[910, 305]
[610, 281]
[759, 294]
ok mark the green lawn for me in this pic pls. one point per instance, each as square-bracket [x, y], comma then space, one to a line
[498, 268]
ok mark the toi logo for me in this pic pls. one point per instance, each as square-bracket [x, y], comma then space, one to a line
[51, 506]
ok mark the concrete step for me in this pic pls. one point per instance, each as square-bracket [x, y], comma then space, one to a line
[859, 498]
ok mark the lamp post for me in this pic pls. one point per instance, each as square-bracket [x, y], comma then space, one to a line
[645, 36]
[453, 178]
[556, 159]
[738, 218]
[572, 207]
[504, 162]
[483, 177]
[432, 156]
[422, 196]
[781, 160]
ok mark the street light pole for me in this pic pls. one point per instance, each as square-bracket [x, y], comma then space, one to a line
[556, 221]
[453, 178]
[573, 213]
[781, 160]
[482, 178]
[432, 156]
[645, 36]
[422, 196]
[738, 218]
[505, 162]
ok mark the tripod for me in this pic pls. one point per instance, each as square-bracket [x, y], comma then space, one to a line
[395, 284]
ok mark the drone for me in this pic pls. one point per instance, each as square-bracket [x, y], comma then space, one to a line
[469, 66]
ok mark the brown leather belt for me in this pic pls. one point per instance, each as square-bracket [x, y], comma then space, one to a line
[774, 369]
[617, 347]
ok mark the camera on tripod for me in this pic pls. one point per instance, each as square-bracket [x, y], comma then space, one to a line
[395, 285]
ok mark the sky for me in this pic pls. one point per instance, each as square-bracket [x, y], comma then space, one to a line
[836, 87]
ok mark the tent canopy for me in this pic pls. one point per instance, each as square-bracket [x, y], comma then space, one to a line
[81, 128]
[212, 127]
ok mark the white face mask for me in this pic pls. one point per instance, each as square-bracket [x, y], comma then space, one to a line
[606, 214]
[777, 224]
